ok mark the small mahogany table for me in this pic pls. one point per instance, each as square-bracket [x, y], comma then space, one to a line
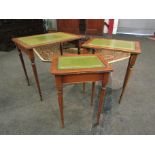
[26, 45]
[79, 69]
[132, 47]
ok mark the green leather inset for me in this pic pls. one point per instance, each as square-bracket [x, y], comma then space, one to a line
[45, 38]
[116, 44]
[79, 62]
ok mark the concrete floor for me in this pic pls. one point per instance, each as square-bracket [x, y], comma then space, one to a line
[21, 111]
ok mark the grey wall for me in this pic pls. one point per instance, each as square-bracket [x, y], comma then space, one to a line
[136, 26]
[51, 24]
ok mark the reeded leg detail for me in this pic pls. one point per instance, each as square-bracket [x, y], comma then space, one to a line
[59, 87]
[60, 100]
[102, 95]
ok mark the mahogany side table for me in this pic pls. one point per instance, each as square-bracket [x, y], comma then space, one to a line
[132, 47]
[79, 69]
[27, 44]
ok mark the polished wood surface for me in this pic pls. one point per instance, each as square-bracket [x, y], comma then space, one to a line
[89, 26]
[80, 76]
[68, 25]
[94, 26]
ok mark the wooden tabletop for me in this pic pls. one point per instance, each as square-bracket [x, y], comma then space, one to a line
[112, 44]
[33, 41]
[79, 64]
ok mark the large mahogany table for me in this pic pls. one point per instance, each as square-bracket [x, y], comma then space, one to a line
[26, 45]
[132, 47]
[79, 69]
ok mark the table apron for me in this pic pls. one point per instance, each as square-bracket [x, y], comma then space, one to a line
[79, 78]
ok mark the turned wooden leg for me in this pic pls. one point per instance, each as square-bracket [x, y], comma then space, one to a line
[23, 64]
[61, 48]
[59, 87]
[78, 45]
[102, 94]
[93, 85]
[32, 59]
[93, 51]
[93, 92]
[131, 63]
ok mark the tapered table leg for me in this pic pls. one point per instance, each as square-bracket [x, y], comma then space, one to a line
[23, 64]
[59, 87]
[102, 94]
[93, 92]
[78, 45]
[32, 59]
[93, 51]
[93, 85]
[131, 63]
